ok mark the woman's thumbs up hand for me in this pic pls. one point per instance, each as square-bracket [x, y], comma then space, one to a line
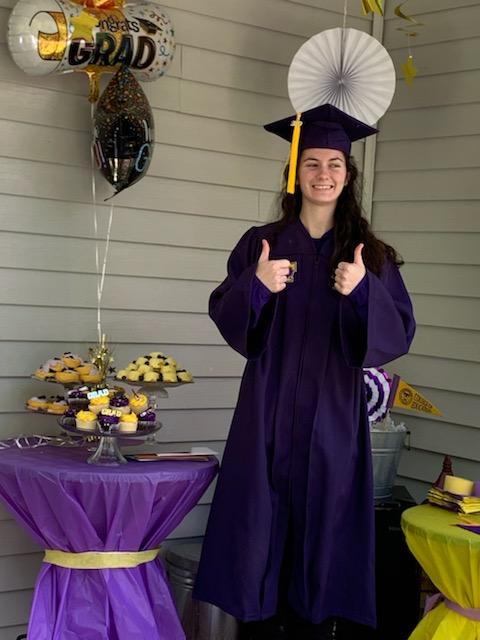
[272, 273]
[349, 274]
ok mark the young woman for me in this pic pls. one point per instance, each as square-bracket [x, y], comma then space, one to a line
[309, 301]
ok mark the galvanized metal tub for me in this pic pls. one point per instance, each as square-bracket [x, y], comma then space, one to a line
[386, 451]
[200, 620]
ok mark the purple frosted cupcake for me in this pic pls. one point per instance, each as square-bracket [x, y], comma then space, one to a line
[120, 402]
[77, 398]
[147, 419]
[107, 422]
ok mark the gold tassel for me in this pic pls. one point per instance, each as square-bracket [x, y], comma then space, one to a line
[292, 171]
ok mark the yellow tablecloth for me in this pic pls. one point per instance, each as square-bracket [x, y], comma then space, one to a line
[451, 558]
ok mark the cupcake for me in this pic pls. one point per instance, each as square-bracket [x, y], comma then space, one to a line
[120, 402]
[57, 405]
[77, 398]
[144, 368]
[122, 374]
[84, 368]
[169, 374]
[99, 403]
[138, 403]
[128, 423]
[142, 360]
[86, 421]
[151, 376]
[93, 377]
[133, 376]
[42, 373]
[67, 376]
[171, 362]
[71, 360]
[108, 421]
[54, 364]
[131, 366]
[184, 376]
[156, 363]
[147, 418]
[157, 354]
[37, 403]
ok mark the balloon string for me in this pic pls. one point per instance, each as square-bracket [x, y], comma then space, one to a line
[95, 227]
[100, 273]
[105, 257]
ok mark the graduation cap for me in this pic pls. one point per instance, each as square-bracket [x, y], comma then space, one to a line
[324, 127]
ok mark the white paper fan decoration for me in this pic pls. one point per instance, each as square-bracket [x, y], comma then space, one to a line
[346, 68]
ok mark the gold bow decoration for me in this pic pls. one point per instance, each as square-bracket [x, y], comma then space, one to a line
[408, 67]
[374, 6]
[409, 70]
[398, 12]
[100, 4]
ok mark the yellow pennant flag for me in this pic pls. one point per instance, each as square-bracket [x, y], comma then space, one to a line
[406, 397]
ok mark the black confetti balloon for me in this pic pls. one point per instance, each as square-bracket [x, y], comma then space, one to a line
[123, 131]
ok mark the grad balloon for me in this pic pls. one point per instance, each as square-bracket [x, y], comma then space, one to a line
[123, 131]
[47, 36]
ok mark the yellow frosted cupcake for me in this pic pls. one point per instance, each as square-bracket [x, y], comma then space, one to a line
[133, 376]
[93, 377]
[54, 364]
[57, 405]
[156, 363]
[84, 369]
[184, 375]
[71, 360]
[97, 404]
[37, 403]
[86, 420]
[128, 423]
[138, 403]
[41, 374]
[157, 354]
[169, 375]
[67, 376]
[151, 376]
[143, 368]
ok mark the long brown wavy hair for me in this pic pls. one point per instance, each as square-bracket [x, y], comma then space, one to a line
[351, 228]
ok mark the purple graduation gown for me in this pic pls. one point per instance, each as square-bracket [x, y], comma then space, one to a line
[298, 453]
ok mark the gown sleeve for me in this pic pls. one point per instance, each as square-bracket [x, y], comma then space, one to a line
[230, 304]
[388, 329]
[359, 299]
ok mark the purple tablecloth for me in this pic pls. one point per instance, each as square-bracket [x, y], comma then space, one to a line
[67, 504]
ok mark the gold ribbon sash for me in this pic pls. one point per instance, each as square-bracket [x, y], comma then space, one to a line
[99, 559]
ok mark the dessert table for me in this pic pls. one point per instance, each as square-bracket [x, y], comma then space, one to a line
[101, 526]
[450, 556]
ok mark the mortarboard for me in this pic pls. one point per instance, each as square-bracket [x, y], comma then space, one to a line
[324, 127]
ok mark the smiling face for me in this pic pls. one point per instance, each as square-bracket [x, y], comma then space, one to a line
[322, 175]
